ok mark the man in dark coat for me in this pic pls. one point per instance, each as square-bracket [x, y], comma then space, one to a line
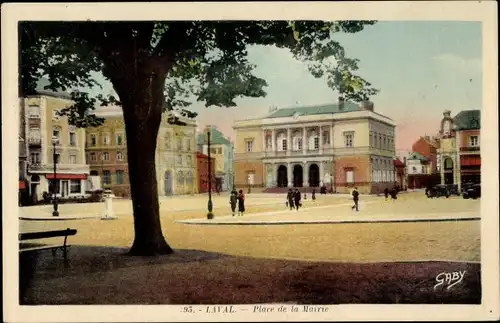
[355, 198]
[297, 198]
[290, 197]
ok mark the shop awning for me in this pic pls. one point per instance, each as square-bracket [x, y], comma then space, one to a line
[67, 176]
[470, 160]
[22, 185]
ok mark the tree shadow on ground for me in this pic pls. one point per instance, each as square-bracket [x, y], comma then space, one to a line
[106, 275]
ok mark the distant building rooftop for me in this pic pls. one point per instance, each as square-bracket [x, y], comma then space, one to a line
[315, 110]
[468, 120]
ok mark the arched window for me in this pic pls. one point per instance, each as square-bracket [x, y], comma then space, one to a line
[313, 140]
[297, 141]
[282, 142]
[189, 178]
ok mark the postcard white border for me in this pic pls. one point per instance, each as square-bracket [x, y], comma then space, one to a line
[484, 12]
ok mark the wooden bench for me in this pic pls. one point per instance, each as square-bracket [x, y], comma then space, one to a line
[47, 234]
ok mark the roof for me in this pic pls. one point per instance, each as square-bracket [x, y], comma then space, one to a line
[398, 163]
[216, 138]
[202, 155]
[468, 120]
[315, 110]
[417, 156]
[40, 89]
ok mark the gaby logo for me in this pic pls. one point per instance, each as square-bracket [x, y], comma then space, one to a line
[449, 279]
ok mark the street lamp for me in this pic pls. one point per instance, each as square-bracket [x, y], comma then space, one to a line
[54, 156]
[232, 167]
[210, 215]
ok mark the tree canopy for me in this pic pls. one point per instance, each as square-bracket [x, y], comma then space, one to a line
[202, 59]
[156, 66]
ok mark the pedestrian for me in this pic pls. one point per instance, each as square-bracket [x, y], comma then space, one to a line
[241, 203]
[355, 198]
[290, 199]
[313, 194]
[233, 200]
[296, 201]
[394, 194]
[386, 193]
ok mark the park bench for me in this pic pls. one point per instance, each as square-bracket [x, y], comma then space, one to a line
[47, 234]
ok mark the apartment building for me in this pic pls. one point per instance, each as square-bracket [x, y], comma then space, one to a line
[175, 155]
[51, 140]
[338, 145]
[460, 150]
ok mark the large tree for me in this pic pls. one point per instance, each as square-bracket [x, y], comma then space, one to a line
[158, 66]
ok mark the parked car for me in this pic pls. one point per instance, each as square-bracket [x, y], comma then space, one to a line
[453, 189]
[438, 191]
[472, 191]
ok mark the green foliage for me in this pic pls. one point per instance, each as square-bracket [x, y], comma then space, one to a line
[206, 60]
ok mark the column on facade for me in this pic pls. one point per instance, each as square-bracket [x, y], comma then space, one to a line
[289, 174]
[331, 138]
[320, 139]
[305, 175]
[321, 172]
[273, 140]
[264, 139]
[456, 171]
[288, 140]
[304, 141]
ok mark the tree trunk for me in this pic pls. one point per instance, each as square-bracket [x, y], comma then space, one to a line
[142, 110]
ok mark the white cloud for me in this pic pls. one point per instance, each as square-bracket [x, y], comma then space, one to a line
[460, 63]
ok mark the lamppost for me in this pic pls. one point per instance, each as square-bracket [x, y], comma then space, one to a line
[232, 167]
[54, 191]
[210, 215]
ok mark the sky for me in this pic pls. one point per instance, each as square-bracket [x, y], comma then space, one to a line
[420, 67]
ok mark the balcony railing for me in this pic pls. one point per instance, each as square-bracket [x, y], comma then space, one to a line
[476, 148]
[34, 140]
[48, 168]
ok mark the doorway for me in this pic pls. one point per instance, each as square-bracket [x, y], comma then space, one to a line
[298, 176]
[168, 181]
[314, 175]
[282, 179]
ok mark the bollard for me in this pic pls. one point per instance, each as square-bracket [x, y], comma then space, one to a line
[108, 209]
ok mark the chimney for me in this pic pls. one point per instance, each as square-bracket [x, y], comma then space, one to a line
[341, 103]
[427, 138]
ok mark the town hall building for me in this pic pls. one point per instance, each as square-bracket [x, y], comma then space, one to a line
[339, 146]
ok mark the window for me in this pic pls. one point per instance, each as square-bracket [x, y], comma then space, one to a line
[51, 186]
[384, 144]
[297, 143]
[269, 142]
[179, 144]
[93, 140]
[371, 139]
[474, 141]
[348, 139]
[72, 138]
[35, 157]
[180, 178]
[119, 156]
[56, 134]
[93, 157]
[249, 146]
[188, 144]
[34, 112]
[57, 158]
[414, 169]
[178, 160]
[72, 159]
[189, 178]
[119, 139]
[326, 137]
[106, 177]
[105, 139]
[284, 145]
[316, 143]
[75, 186]
[189, 160]
[349, 176]
[219, 151]
[120, 175]
[380, 141]
[105, 156]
